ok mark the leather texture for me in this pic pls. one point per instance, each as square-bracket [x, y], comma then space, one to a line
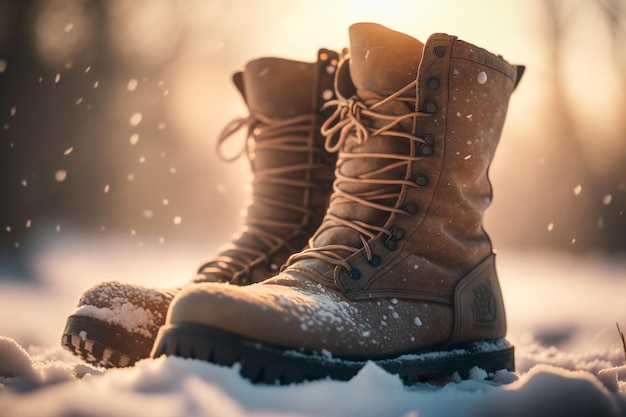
[401, 262]
[292, 183]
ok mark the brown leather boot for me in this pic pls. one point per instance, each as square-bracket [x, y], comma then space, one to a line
[115, 323]
[401, 271]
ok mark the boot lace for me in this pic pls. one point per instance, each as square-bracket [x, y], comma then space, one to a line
[355, 118]
[235, 259]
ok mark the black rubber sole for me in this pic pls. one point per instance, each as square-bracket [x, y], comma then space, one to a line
[262, 363]
[103, 344]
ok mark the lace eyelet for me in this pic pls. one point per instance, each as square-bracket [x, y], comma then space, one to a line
[391, 243]
[433, 83]
[439, 51]
[355, 274]
[397, 232]
[411, 208]
[241, 278]
[431, 107]
[420, 179]
[375, 261]
[426, 150]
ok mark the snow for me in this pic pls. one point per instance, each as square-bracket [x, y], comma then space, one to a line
[561, 313]
[138, 319]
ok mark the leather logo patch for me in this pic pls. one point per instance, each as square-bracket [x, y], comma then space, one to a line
[484, 309]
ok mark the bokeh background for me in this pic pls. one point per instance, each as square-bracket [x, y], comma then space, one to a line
[110, 109]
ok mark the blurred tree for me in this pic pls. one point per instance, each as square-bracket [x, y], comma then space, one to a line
[586, 203]
[35, 137]
[59, 139]
[614, 12]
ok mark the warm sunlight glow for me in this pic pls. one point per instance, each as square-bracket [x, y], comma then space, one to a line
[145, 32]
[63, 28]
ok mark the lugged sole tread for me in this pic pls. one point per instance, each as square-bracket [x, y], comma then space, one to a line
[271, 364]
[102, 344]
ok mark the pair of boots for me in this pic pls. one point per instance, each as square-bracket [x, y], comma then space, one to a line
[370, 184]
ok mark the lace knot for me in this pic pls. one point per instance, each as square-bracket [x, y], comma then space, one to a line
[376, 186]
[345, 120]
[263, 234]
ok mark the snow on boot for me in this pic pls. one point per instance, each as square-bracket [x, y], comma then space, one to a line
[116, 322]
[400, 272]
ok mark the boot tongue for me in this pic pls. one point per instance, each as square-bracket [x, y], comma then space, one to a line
[279, 88]
[382, 60]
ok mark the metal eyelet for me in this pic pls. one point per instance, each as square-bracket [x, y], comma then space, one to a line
[431, 107]
[375, 261]
[411, 208]
[397, 232]
[242, 277]
[439, 51]
[425, 150]
[391, 243]
[433, 83]
[355, 274]
[420, 179]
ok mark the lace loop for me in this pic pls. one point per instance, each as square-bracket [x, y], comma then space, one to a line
[231, 128]
[263, 133]
[355, 118]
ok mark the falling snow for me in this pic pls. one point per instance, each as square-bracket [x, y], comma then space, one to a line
[578, 189]
[135, 119]
[132, 85]
[60, 175]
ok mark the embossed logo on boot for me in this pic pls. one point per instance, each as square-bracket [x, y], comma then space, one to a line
[484, 309]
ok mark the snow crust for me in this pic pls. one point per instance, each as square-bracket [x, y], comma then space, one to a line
[569, 358]
[131, 317]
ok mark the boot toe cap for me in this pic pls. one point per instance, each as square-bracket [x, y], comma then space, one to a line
[135, 308]
[297, 314]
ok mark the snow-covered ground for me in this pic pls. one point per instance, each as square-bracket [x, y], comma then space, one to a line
[561, 310]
